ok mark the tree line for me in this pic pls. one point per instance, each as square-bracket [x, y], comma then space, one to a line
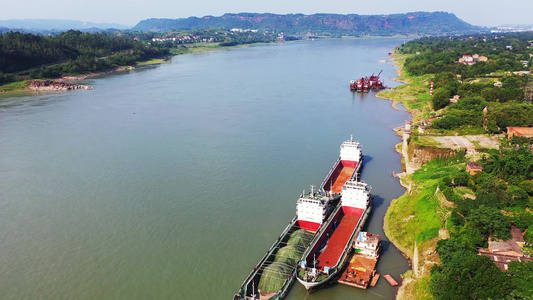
[71, 52]
[440, 54]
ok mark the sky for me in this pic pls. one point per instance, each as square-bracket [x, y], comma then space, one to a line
[131, 12]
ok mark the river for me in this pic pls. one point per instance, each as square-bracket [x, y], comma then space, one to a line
[172, 181]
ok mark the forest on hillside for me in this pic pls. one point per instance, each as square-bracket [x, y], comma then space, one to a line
[71, 52]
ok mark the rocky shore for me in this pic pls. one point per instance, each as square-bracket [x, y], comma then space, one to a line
[50, 85]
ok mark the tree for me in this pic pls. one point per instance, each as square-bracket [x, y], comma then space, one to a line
[490, 221]
[522, 277]
[469, 276]
[447, 80]
[466, 241]
[441, 98]
[461, 178]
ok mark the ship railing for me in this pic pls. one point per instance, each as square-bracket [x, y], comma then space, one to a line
[329, 174]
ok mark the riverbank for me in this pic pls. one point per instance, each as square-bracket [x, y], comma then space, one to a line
[404, 215]
[56, 84]
[413, 94]
[63, 83]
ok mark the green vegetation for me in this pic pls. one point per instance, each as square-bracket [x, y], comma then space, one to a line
[287, 257]
[447, 211]
[440, 54]
[14, 86]
[71, 52]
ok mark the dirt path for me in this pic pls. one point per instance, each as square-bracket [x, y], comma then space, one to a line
[467, 141]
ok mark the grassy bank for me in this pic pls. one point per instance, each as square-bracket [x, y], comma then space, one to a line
[415, 221]
[418, 219]
[14, 87]
[413, 94]
[206, 47]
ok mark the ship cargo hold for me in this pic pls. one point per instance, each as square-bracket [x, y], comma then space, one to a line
[273, 276]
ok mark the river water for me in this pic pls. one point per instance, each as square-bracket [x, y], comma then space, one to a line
[172, 181]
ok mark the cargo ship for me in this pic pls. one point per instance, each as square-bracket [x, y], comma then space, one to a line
[331, 247]
[365, 84]
[273, 276]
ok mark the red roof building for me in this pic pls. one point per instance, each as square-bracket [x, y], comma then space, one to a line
[473, 168]
[519, 131]
[503, 252]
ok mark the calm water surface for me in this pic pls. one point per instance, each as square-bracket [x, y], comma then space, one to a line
[171, 182]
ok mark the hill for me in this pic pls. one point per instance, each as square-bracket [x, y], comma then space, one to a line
[52, 25]
[416, 23]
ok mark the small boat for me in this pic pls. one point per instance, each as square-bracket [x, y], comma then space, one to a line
[390, 280]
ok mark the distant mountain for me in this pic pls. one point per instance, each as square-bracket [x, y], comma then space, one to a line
[418, 23]
[56, 25]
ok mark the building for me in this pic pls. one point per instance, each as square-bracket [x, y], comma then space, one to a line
[517, 236]
[526, 132]
[503, 252]
[473, 168]
[468, 59]
[455, 99]
[407, 127]
[367, 244]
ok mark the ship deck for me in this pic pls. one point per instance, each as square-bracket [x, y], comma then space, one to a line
[360, 271]
[344, 175]
[337, 242]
